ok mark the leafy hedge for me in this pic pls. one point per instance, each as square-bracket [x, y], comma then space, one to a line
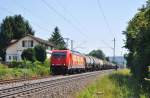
[28, 54]
[25, 69]
[40, 53]
[37, 53]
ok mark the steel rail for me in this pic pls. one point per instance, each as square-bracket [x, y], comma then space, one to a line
[21, 80]
[28, 89]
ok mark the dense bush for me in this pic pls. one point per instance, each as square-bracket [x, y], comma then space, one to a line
[40, 53]
[138, 43]
[16, 64]
[28, 54]
[27, 69]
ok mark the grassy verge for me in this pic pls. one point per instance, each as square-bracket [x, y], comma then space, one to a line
[26, 70]
[120, 84]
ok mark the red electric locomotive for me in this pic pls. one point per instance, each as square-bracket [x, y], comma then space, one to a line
[66, 61]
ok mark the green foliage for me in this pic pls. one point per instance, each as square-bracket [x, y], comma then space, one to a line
[138, 43]
[16, 64]
[27, 64]
[40, 53]
[148, 4]
[98, 53]
[107, 59]
[12, 27]
[120, 84]
[25, 69]
[41, 69]
[47, 63]
[28, 54]
[57, 40]
[2, 53]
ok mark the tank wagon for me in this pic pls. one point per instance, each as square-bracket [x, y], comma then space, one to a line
[66, 61]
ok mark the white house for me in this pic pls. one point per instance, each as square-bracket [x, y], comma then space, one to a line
[16, 47]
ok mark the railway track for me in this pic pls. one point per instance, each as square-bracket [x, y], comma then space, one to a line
[21, 80]
[41, 85]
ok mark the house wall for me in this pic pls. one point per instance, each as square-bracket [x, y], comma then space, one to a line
[19, 43]
[11, 52]
[14, 51]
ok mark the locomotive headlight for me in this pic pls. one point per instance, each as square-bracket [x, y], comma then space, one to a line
[52, 64]
[64, 64]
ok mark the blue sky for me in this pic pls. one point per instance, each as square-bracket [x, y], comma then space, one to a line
[79, 20]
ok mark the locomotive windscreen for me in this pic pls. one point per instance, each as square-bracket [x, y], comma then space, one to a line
[59, 54]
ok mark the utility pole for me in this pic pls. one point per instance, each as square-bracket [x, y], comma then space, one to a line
[71, 44]
[114, 49]
[67, 42]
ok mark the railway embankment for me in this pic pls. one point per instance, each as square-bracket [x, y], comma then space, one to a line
[54, 87]
[119, 84]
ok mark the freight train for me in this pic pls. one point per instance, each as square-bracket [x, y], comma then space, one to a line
[70, 62]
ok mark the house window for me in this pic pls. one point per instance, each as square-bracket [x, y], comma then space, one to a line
[30, 43]
[9, 57]
[15, 58]
[27, 43]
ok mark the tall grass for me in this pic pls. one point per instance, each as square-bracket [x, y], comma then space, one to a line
[25, 69]
[120, 84]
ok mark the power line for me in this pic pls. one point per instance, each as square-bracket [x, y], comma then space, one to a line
[108, 26]
[29, 11]
[63, 17]
[73, 17]
[64, 8]
[107, 44]
[105, 19]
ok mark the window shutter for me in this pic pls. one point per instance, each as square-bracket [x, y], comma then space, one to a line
[23, 43]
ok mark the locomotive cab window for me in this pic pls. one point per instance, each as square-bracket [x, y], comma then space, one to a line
[59, 54]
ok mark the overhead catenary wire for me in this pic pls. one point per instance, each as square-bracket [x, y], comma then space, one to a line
[107, 24]
[70, 14]
[31, 13]
[105, 43]
[105, 19]
[64, 18]
[39, 26]
[65, 9]
[75, 20]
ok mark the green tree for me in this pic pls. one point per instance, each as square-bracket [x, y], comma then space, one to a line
[40, 53]
[107, 59]
[138, 43]
[148, 4]
[28, 54]
[98, 53]
[12, 27]
[57, 40]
